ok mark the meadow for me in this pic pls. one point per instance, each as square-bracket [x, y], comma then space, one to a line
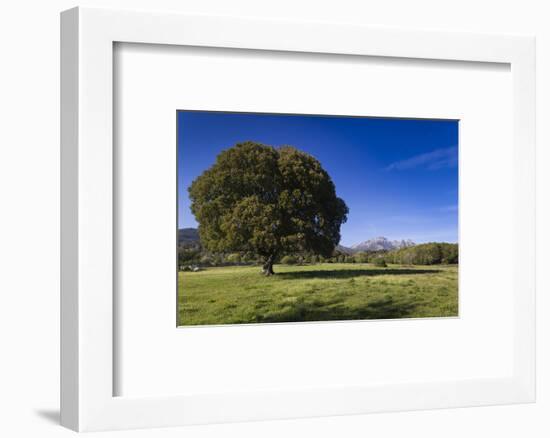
[318, 292]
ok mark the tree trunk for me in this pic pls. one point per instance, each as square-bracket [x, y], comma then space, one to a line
[268, 266]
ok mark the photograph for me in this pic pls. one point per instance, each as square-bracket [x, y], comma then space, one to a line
[307, 218]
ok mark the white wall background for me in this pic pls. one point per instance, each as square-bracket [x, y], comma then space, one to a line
[29, 214]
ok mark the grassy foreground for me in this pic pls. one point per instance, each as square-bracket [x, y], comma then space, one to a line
[322, 292]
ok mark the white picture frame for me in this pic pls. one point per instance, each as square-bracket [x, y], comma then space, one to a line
[87, 330]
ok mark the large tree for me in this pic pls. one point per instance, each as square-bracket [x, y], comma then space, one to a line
[271, 201]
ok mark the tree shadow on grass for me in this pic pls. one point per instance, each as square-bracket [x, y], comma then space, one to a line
[383, 308]
[350, 273]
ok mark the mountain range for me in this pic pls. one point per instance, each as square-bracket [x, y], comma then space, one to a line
[382, 244]
[190, 237]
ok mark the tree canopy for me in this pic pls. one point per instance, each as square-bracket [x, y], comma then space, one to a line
[266, 200]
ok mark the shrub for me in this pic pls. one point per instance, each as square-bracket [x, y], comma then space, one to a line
[206, 260]
[361, 257]
[218, 259]
[289, 260]
[233, 258]
[380, 262]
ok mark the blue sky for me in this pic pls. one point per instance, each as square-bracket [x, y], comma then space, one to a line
[399, 177]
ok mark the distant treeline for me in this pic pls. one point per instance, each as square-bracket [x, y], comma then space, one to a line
[424, 254]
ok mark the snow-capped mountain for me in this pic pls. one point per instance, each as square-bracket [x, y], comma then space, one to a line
[382, 244]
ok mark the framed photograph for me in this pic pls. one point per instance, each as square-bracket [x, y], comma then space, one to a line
[274, 219]
[247, 207]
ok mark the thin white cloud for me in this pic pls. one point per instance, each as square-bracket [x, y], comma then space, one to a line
[436, 159]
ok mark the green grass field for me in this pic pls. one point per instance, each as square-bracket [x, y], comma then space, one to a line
[322, 292]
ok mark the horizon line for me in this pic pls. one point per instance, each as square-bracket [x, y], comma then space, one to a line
[414, 241]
